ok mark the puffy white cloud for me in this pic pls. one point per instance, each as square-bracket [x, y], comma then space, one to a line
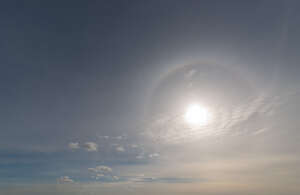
[90, 146]
[100, 169]
[74, 145]
[120, 149]
[65, 179]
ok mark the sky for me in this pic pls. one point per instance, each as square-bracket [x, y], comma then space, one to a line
[149, 97]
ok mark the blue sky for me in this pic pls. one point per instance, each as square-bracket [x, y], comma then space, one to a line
[93, 97]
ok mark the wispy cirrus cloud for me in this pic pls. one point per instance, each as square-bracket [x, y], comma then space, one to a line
[164, 180]
[244, 118]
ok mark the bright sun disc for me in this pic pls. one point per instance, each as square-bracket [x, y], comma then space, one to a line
[196, 115]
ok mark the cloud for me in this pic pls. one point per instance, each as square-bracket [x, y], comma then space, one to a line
[154, 155]
[120, 149]
[104, 137]
[244, 118]
[134, 146]
[104, 173]
[65, 179]
[140, 156]
[260, 131]
[100, 169]
[143, 179]
[115, 177]
[98, 176]
[190, 73]
[90, 146]
[119, 137]
[74, 145]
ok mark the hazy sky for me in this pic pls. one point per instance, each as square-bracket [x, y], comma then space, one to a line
[94, 97]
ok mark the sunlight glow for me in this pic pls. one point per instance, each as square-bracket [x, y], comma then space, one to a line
[196, 115]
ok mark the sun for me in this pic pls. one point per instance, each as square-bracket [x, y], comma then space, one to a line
[197, 115]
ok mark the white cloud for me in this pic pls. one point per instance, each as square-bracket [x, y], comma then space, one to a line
[154, 155]
[90, 146]
[120, 149]
[102, 172]
[140, 156]
[100, 169]
[115, 177]
[98, 176]
[65, 179]
[190, 73]
[119, 137]
[134, 145]
[104, 137]
[263, 130]
[74, 145]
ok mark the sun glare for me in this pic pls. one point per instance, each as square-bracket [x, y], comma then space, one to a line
[196, 115]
